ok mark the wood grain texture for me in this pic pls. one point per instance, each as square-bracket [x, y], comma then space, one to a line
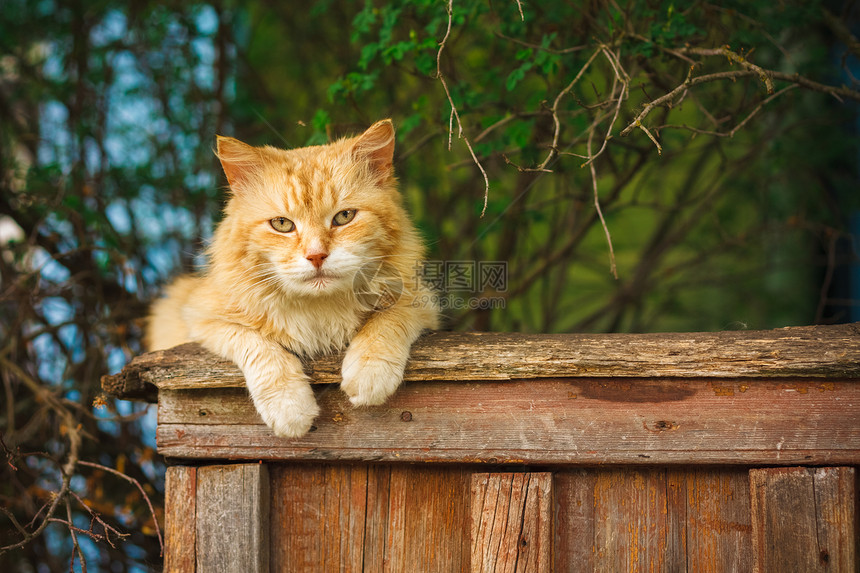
[396, 519]
[573, 521]
[631, 530]
[511, 522]
[233, 518]
[804, 519]
[433, 518]
[716, 518]
[572, 421]
[673, 520]
[318, 516]
[180, 525]
[813, 351]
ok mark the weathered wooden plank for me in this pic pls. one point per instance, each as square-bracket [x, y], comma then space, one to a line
[580, 421]
[318, 517]
[674, 520]
[804, 519]
[718, 526]
[631, 523]
[511, 522]
[373, 518]
[435, 519]
[396, 558]
[377, 522]
[233, 518]
[297, 520]
[345, 512]
[180, 514]
[677, 522]
[573, 514]
[812, 351]
[836, 503]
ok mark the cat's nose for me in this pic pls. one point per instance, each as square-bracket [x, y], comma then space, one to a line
[317, 259]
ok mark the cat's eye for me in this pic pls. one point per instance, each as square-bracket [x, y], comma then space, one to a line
[343, 217]
[282, 224]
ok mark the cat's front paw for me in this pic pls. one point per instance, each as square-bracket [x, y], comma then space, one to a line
[370, 381]
[290, 411]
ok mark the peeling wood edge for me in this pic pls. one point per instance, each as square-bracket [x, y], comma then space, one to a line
[797, 352]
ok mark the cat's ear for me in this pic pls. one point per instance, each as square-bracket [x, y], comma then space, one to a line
[376, 146]
[239, 160]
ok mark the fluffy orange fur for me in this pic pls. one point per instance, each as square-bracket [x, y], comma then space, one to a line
[315, 252]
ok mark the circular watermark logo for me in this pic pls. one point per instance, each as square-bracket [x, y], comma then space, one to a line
[378, 286]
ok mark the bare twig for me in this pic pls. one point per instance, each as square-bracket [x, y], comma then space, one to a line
[136, 483]
[750, 69]
[612, 266]
[553, 152]
[95, 517]
[520, 7]
[69, 428]
[622, 78]
[764, 75]
[75, 544]
[741, 124]
[666, 98]
[454, 113]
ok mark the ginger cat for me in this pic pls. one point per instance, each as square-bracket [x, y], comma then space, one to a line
[315, 252]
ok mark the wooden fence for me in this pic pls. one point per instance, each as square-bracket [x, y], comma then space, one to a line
[731, 451]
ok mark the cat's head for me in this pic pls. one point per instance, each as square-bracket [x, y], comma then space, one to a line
[309, 220]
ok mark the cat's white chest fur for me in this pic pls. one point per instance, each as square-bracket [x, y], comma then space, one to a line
[316, 327]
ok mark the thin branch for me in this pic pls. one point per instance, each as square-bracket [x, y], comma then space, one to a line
[668, 97]
[838, 92]
[562, 51]
[612, 266]
[553, 152]
[454, 113]
[766, 76]
[69, 428]
[622, 78]
[136, 483]
[739, 126]
[77, 548]
[733, 57]
[520, 7]
[95, 517]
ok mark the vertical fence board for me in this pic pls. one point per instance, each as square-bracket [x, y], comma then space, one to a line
[631, 522]
[573, 531]
[396, 560]
[835, 498]
[435, 519]
[297, 517]
[180, 512]
[511, 522]
[804, 519]
[318, 517]
[233, 518]
[368, 517]
[657, 520]
[345, 508]
[676, 521]
[376, 517]
[718, 523]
